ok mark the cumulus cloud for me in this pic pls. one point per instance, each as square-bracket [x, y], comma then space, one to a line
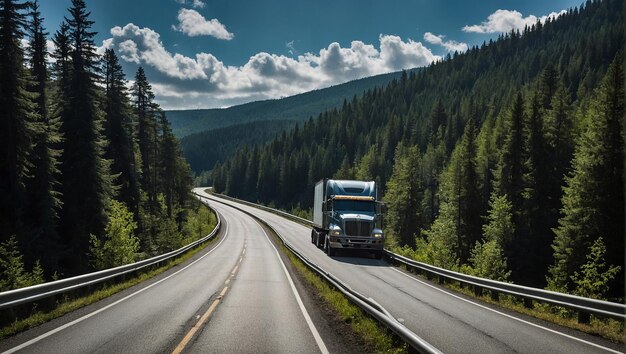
[191, 23]
[507, 20]
[197, 4]
[451, 46]
[205, 81]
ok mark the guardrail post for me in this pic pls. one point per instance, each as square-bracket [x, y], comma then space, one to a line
[441, 279]
[495, 296]
[478, 291]
[528, 303]
[584, 317]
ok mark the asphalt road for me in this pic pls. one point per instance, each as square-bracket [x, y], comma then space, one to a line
[237, 297]
[450, 322]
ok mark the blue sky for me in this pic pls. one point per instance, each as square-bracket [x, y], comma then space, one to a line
[205, 54]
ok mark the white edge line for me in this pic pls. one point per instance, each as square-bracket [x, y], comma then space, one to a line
[502, 313]
[58, 329]
[509, 316]
[309, 322]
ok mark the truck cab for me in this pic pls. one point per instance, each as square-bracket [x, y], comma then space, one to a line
[347, 215]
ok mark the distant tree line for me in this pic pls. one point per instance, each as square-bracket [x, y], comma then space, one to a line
[91, 175]
[505, 161]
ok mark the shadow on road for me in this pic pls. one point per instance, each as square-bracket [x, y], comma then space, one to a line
[358, 257]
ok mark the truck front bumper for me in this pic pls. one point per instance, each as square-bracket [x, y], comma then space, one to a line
[352, 242]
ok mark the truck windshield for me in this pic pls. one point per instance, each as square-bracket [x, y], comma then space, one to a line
[354, 205]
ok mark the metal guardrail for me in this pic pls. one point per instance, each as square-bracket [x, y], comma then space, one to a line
[28, 294]
[583, 305]
[367, 304]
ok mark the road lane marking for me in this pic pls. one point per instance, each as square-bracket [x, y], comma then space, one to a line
[179, 348]
[183, 343]
[78, 320]
[460, 298]
[309, 322]
[510, 316]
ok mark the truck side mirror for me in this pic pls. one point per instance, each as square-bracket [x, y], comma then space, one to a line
[382, 208]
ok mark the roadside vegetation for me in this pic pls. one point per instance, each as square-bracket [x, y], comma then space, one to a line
[199, 226]
[91, 175]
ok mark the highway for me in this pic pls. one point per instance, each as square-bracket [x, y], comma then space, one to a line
[235, 297]
[451, 322]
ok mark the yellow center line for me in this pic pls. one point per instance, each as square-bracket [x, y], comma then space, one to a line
[183, 343]
[179, 348]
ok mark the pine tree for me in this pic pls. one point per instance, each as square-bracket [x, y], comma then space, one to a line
[146, 136]
[431, 166]
[87, 183]
[487, 257]
[119, 131]
[510, 183]
[168, 164]
[593, 197]
[404, 192]
[43, 186]
[548, 85]
[62, 62]
[344, 171]
[17, 118]
[558, 135]
[438, 119]
[536, 210]
[470, 223]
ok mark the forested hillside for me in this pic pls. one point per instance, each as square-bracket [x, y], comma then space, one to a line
[505, 161]
[91, 175]
[297, 107]
[204, 150]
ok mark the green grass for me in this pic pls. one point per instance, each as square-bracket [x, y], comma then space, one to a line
[69, 305]
[369, 330]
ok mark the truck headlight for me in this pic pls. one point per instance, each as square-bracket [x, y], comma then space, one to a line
[335, 233]
[378, 235]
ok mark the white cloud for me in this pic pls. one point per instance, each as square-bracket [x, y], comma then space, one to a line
[451, 46]
[291, 47]
[197, 4]
[506, 20]
[144, 46]
[191, 23]
[205, 81]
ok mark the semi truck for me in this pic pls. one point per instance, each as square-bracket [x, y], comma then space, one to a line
[347, 215]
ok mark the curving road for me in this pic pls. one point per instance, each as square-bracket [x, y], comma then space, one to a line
[236, 297]
[450, 322]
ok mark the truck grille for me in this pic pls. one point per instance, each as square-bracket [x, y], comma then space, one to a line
[358, 228]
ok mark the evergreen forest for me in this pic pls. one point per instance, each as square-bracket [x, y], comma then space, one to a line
[506, 161]
[91, 175]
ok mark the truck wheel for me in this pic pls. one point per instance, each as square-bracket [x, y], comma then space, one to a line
[319, 242]
[329, 250]
[313, 238]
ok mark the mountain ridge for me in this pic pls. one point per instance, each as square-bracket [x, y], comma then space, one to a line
[298, 107]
